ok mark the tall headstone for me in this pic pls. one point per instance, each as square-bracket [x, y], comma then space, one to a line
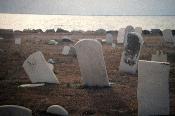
[17, 41]
[65, 50]
[38, 70]
[91, 62]
[167, 35]
[138, 30]
[131, 53]
[153, 88]
[120, 36]
[109, 38]
[159, 56]
[14, 110]
[128, 29]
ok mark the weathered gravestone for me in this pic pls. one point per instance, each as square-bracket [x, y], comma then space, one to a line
[91, 61]
[167, 35]
[120, 36]
[57, 110]
[17, 41]
[38, 70]
[128, 29]
[109, 38]
[138, 30]
[153, 88]
[72, 51]
[159, 56]
[130, 55]
[14, 110]
[65, 50]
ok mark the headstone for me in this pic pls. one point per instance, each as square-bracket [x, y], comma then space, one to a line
[131, 53]
[1, 38]
[72, 51]
[67, 39]
[153, 88]
[17, 41]
[91, 62]
[138, 30]
[120, 36]
[14, 110]
[113, 45]
[109, 38]
[167, 35]
[38, 70]
[50, 66]
[159, 56]
[65, 50]
[128, 29]
[103, 41]
[57, 110]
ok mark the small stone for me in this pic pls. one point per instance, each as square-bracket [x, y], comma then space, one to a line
[32, 85]
[58, 110]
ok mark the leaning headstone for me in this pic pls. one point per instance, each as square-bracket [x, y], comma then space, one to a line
[65, 50]
[138, 30]
[17, 41]
[120, 36]
[57, 110]
[130, 55]
[38, 70]
[128, 29]
[167, 35]
[109, 38]
[14, 110]
[91, 62]
[153, 88]
[159, 56]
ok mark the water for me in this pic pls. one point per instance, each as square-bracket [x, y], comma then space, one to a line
[69, 22]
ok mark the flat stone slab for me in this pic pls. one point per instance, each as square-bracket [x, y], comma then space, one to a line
[131, 53]
[32, 85]
[91, 62]
[38, 70]
[14, 110]
[58, 110]
[153, 88]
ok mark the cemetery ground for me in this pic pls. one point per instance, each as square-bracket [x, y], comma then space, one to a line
[119, 99]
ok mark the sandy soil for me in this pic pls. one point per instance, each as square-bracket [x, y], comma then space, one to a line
[119, 99]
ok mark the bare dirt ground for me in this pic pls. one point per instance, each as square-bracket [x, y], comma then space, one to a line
[119, 99]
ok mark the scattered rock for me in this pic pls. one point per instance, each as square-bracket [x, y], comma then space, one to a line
[52, 42]
[58, 110]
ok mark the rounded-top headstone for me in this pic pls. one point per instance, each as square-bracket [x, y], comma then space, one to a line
[58, 110]
[128, 29]
[14, 110]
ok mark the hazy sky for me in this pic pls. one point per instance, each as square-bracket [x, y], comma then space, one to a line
[89, 7]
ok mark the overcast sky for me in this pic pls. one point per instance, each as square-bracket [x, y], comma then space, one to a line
[89, 7]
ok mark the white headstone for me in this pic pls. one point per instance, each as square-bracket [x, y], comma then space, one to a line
[167, 35]
[131, 53]
[153, 88]
[50, 66]
[91, 62]
[65, 50]
[17, 41]
[120, 36]
[38, 70]
[159, 56]
[109, 38]
[138, 30]
[14, 110]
